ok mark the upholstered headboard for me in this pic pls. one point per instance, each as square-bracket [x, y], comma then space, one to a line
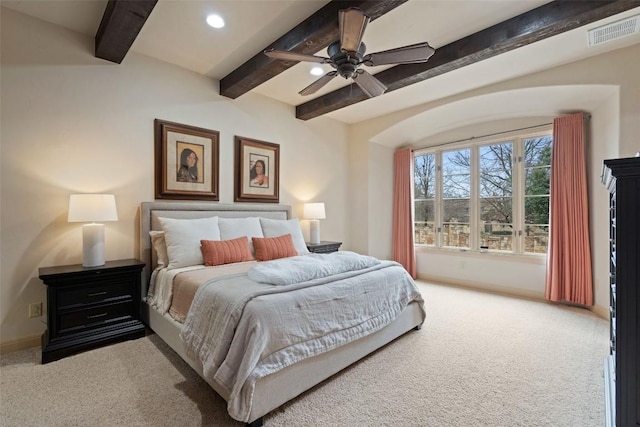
[151, 211]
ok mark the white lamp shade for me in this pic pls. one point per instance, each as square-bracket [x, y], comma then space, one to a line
[92, 207]
[314, 211]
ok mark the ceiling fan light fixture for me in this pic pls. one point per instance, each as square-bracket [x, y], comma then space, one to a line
[352, 24]
[316, 71]
[215, 21]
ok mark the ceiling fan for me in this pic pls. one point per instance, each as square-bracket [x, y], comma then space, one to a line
[348, 54]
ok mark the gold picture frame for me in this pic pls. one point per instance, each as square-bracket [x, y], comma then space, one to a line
[187, 162]
[257, 171]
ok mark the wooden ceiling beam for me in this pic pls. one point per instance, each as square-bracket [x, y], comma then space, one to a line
[545, 21]
[121, 23]
[309, 37]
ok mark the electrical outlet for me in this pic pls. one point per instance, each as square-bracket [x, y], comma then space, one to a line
[35, 310]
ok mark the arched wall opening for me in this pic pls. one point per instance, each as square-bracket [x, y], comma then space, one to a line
[480, 115]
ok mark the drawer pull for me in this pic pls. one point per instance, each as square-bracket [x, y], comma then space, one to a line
[95, 316]
[95, 294]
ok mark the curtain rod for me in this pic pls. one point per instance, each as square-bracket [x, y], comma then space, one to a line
[481, 136]
[586, 116]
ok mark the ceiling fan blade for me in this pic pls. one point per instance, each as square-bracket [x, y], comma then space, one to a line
[412, 54]
[352, 24]
[369, 84]
[315, 86]
[293, 56]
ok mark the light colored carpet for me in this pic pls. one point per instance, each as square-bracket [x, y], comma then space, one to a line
[480, 360]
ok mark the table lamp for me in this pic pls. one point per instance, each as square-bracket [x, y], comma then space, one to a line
[91, 208]
[314, 212]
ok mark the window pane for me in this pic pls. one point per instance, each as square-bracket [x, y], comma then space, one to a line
[496, 209]
[424, 196]
[456, 162]
[455, 235]
[496, 168]
[455, 210]
[425, 210]
[496, 202]
[425, 176]
[456, 186]
[497, 237]
[456, 190]
[496, 183]
[537, 180]
[496, 157]
[425, 233]
[536, 239]
[537, 188]
[537, 151]
[536, 210]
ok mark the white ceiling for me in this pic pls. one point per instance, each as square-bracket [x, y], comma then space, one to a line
[176, 32]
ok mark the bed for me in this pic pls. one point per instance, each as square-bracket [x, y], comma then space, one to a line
[262, 393]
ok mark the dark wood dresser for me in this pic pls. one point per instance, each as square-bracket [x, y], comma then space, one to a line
[91, 306]
[622, 367]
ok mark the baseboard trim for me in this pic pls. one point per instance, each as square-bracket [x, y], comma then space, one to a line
[601, 311]
[478, 286]
[20, 344]
[501, 290]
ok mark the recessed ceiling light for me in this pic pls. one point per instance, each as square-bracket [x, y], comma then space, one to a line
[215, 21]
[317, 71]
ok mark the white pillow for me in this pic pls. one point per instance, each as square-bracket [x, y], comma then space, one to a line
[278, 227]
[183, 239]
[159, 247]
[232, 228]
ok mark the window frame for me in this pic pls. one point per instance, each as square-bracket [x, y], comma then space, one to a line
[518, 182]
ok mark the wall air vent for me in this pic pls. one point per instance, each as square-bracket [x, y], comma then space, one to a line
[615, 30]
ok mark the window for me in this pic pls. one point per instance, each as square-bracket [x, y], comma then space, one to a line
[537, 171]
[496, 196]
[488, 195]
[456, 198]
[425, 198]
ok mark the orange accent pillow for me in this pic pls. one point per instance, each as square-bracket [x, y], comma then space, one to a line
[218, 252]
[267, 248]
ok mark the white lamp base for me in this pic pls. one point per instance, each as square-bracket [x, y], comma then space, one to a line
[92, 245]
[314, 231]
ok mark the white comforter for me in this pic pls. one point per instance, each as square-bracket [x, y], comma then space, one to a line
[297, 269]
[241, 330]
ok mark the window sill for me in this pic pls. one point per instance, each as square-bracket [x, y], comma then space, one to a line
[496, 255]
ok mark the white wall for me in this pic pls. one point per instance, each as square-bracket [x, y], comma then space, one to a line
[380, 213]
[74, 123]
[605, 129]
[607, 85]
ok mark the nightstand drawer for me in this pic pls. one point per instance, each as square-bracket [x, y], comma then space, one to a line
[95, 317]
[96, 293]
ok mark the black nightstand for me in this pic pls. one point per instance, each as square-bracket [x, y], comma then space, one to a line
[323, 247]
[91, 306]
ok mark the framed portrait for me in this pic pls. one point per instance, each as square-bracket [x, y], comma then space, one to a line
[257, 171]
[187, 162]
